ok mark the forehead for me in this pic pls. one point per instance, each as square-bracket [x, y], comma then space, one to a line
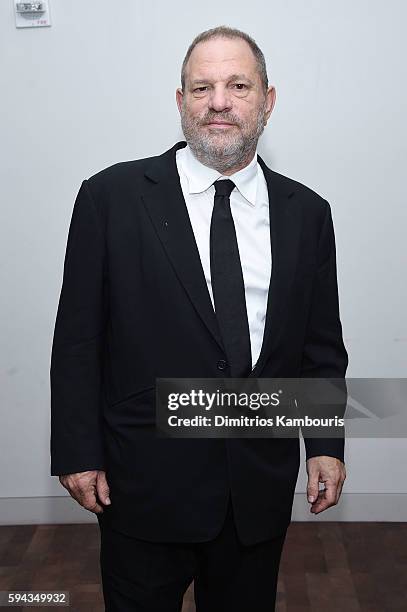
[219, 57]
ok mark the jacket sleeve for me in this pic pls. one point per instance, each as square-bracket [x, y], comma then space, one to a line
[76, 442]
[324, 353]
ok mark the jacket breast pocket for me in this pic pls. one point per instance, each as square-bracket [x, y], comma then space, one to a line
[306, 269]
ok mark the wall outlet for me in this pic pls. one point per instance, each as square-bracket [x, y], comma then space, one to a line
[32, 14]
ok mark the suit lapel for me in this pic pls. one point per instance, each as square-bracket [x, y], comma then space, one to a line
[167, 209]
[284, 238]
[165, 204]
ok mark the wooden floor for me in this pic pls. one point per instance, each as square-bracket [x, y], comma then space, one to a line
[335, 567]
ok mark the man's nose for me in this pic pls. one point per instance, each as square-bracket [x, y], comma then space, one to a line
[220, 99]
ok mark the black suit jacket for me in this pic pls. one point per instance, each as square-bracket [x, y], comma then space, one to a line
[134, 306]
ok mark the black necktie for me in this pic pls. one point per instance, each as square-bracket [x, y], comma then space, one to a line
[227, 283]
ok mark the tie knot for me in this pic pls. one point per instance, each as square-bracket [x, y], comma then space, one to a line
[224, 187]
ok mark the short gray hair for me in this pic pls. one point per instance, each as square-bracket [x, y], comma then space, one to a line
[226, 32]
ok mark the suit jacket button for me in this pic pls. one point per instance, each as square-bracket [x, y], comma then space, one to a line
[221, 365]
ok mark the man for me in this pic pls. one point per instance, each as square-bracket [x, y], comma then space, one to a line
[145, 295]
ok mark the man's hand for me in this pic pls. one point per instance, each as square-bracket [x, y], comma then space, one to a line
[90, 489]
[329, 470]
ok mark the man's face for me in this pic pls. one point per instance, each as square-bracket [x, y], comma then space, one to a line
[224, 107]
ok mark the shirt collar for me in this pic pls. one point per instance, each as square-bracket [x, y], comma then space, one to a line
[201, 177]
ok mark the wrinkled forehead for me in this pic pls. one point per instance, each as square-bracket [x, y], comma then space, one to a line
[220, 59]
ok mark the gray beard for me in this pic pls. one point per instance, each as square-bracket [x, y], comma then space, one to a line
[222, 155]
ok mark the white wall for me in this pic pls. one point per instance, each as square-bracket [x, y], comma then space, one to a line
[99, 87]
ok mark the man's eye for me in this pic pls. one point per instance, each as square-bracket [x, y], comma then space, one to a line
[240, 86]
[201, 88]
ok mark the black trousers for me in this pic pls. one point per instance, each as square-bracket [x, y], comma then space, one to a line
[141, 576]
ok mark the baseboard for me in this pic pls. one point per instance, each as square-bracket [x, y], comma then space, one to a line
[363, 507]
[352, 507]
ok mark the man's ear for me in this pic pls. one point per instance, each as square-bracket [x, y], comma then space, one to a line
[179, 95]
[270, 102]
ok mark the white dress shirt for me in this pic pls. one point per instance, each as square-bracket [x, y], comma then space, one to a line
[249, 205]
